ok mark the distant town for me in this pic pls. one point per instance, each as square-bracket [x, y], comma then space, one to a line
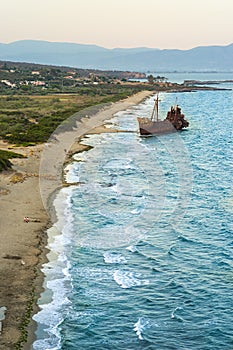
[35, 78]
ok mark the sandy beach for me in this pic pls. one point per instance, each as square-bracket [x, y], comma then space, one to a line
[28, 191]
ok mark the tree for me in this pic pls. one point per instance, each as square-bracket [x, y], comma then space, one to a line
[151, 79]
[160, 79]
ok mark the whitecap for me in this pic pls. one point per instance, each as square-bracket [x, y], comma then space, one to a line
[141, 325]
[128, 279]
[137, 210]
[174, 314]
[132, 248]
[114, 258]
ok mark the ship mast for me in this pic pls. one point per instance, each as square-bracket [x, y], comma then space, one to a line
[156, 109]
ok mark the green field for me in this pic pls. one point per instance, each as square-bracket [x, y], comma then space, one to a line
[27, 120]
[30, 119]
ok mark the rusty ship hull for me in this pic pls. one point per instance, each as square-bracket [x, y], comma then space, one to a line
[148, 127]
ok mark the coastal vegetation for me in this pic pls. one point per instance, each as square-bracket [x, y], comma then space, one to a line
[30, 119]
[5, 157]
[35, 99]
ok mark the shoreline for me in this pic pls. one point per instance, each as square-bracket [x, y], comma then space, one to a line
[29, 190]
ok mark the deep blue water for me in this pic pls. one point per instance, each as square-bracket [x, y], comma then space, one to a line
[144, 260]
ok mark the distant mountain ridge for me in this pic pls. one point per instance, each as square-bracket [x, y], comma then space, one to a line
[202, 58]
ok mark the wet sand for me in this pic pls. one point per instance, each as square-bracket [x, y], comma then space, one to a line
[28, 190]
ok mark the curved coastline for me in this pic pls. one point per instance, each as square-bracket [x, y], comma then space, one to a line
[23, 250]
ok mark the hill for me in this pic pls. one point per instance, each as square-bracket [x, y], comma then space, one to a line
[203, 58]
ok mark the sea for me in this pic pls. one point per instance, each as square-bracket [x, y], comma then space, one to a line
[141, 254]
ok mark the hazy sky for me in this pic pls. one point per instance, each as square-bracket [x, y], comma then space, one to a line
[179, 24]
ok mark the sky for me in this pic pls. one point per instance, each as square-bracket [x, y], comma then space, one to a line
[164, 24]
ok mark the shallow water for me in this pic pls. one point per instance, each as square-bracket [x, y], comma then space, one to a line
[144, 260]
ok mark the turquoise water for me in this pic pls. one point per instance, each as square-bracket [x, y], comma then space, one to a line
[141, 257]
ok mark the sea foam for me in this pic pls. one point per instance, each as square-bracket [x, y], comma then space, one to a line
[53, 302]
[114, 258]
[141, 325]
[129, 279]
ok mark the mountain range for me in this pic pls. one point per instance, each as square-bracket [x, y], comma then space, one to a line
[202, 58]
